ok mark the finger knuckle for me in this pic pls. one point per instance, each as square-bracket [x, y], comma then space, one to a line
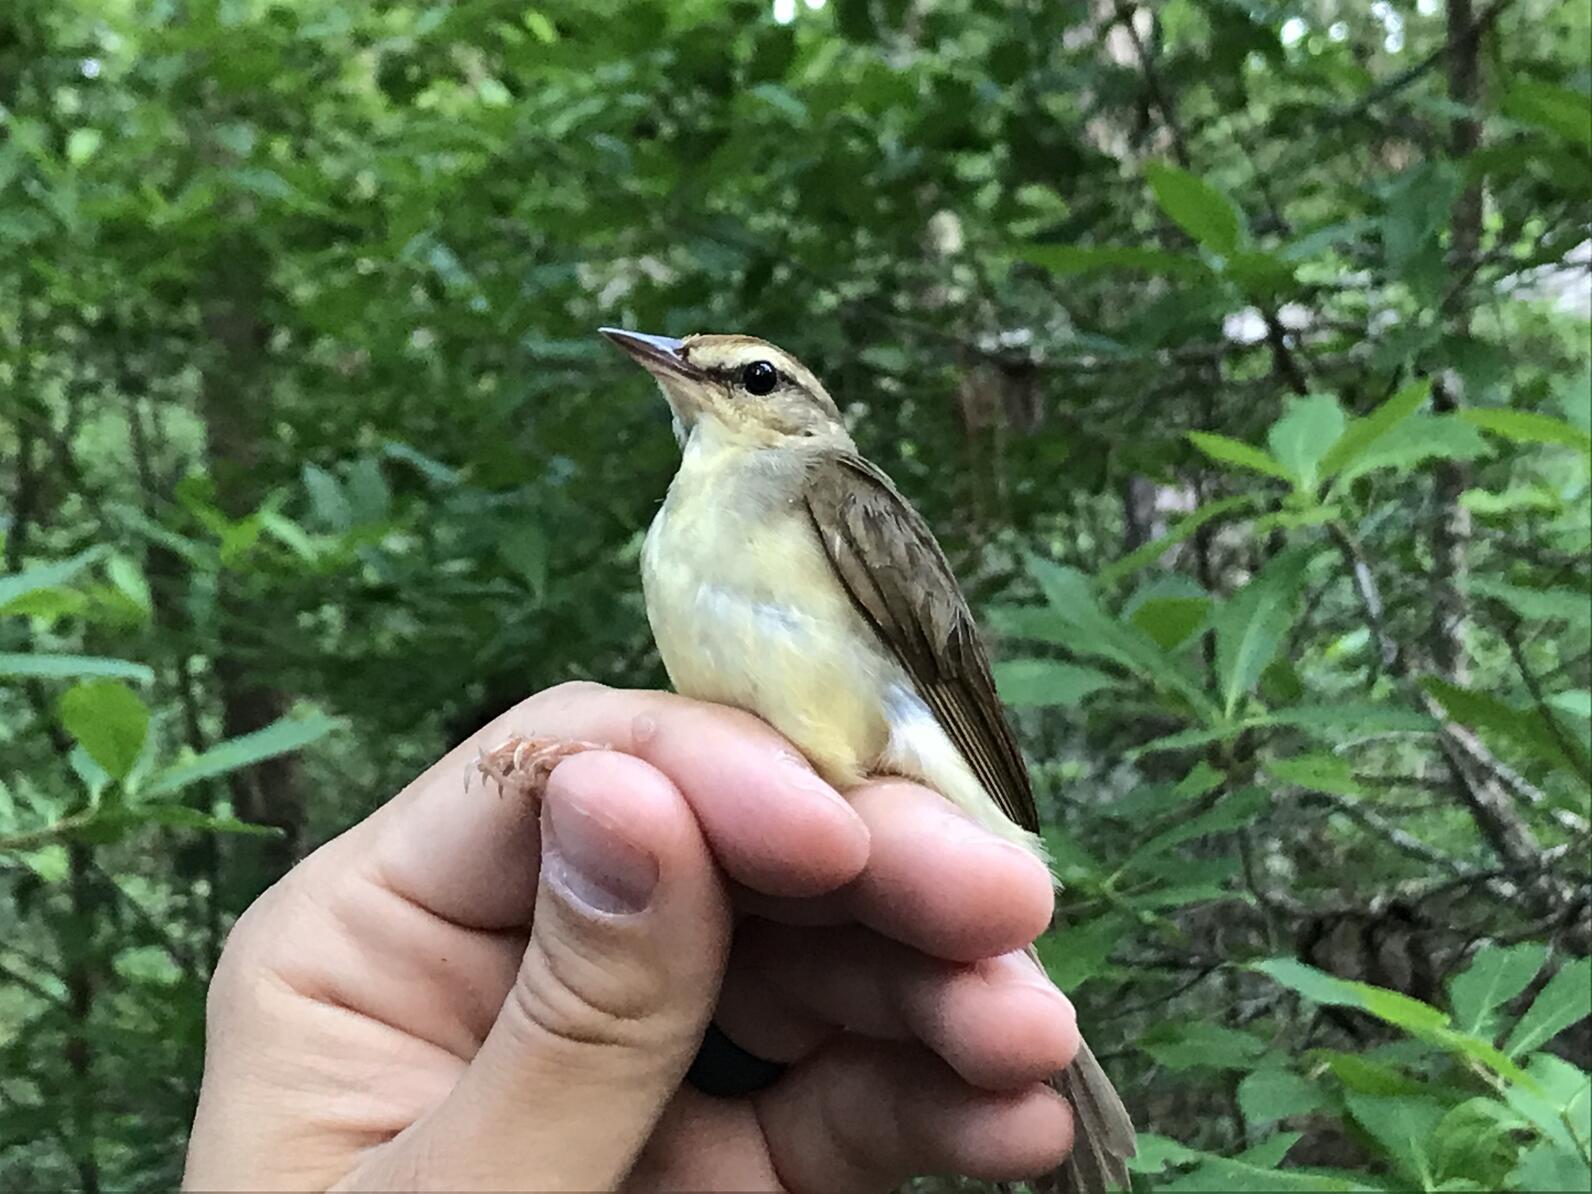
[566, 994]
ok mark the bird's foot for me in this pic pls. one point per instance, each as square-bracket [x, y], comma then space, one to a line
[520, 766]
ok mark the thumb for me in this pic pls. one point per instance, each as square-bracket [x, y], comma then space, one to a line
[626, 954]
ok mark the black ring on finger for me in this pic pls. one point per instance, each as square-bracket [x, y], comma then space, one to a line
[724, 1070]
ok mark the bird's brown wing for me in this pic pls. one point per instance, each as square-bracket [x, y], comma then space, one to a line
[889, 561]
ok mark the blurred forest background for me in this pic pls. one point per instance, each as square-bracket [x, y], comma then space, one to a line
[1238, 350]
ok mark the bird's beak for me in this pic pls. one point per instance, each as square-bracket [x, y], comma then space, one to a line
[658, 355]
[688, 389]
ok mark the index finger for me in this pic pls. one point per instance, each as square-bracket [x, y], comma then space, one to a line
[774, 825]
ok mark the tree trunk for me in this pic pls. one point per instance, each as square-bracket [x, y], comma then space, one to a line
[235, 403]
[1451, 530]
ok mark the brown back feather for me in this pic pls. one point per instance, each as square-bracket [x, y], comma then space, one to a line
[890, 563]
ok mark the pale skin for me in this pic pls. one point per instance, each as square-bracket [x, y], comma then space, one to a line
[440, 997]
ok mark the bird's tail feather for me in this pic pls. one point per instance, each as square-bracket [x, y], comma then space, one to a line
[1103, 1136]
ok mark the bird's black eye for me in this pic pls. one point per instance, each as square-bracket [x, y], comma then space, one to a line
[759, 378]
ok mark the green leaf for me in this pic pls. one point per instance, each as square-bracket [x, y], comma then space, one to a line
[1573, 702]
[108, 721]
[1226, 450]
[1250, 626]
[1475, 1141]
[46, 603]
[1301, 439]
[1528, 427]
[1567, 605]
[1321, 987]
[524, 547]
[1348, 717]
[1566, 1000]
[1403, 1125]
[1074, 955]
[1567, 1090]
[280, 737]
[327, 500]
[1198, 208]
[1185, 740]
[1030, 624]
[1183, 529]
[288, 533]
[1417, 213]
[1231, 812]
[1357, 1072]
[82, 144]
[1171, 619]
[1317, 772]
[45, 576]
[1546, 1168]
[1201, 778]
[1555, 1098]
[1497, 722]
[1414, 440]
[1361, 434]
[150, 964]
[129, 580]
[1047, 683]
[1271, 1152]
[1156, 1152]
[1089, 630]
[1224, 1175]
[51, 863]
[433, 471]
[782, 101]
[1067, 260]
[55, 667]
[1270, 1094]
[1564, 113]
[1199, 1044]
[1495, 976]
[365, 487]
[179, 816]
[1260, 274]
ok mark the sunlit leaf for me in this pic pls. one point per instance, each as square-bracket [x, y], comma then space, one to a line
[1226, 450]
[1043, 683]
[1403, 1125]
[1307, 431]
[1361, 434]
[108, 721]
[1318, 772]
[1251, 624]
[1528, 427]
[1495, 976]
[1202, 211]
[45, 576]
[280, 737]
[57, 667]
[1269, 1094]
[1569, 605]
[1566, 1000]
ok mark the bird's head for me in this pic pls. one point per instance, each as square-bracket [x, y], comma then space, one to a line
[747, 387]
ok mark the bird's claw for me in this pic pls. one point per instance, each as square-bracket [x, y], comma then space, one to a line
[520, 766]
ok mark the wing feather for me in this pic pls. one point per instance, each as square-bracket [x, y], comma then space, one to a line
[891, 564]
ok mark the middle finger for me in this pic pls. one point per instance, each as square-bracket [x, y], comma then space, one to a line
[999, 1023]
[935, 880]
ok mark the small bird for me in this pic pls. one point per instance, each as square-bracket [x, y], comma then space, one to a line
[786, 575]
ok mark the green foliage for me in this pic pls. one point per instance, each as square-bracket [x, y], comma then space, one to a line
[1249, 401]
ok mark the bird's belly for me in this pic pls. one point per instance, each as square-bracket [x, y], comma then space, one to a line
[753, 617]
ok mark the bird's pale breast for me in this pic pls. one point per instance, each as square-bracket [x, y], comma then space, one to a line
[747, 612]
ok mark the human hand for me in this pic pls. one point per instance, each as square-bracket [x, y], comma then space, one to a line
[459, 993]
